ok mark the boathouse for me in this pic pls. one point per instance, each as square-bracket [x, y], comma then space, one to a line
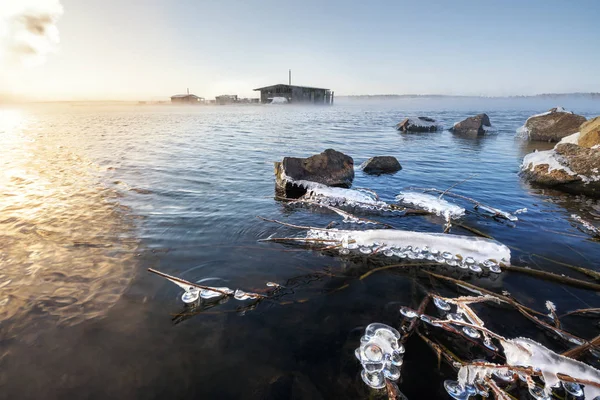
[187, 98]
[295, 94]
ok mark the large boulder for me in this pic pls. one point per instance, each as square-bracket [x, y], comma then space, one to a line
[567, 167]
[419, 124]
[381, 165]
[473, 126]
[552, 125]
[330, 168]
[589, 135]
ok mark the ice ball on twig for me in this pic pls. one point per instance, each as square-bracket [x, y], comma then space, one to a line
[380, 355]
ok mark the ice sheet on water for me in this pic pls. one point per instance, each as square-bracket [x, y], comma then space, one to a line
[444, 247]
[431, 203]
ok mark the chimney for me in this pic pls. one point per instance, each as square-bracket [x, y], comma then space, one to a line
[290, 77]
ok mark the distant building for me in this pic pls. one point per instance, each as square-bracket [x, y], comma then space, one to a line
[187, 99]
[226, 99]
[295, 94]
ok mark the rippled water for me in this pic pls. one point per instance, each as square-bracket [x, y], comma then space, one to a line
[92, 196]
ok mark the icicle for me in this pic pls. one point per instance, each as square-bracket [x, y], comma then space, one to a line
[380, 355]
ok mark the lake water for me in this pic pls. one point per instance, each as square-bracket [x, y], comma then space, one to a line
[92, 196]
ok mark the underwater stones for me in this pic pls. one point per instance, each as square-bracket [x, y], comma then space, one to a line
[589, 135]
[380, 355]
[330, 168]
[419, 124]
[553, 125]
[473, 126]
[381, 165]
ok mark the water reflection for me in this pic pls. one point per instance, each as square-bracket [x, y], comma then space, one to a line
[66, 248]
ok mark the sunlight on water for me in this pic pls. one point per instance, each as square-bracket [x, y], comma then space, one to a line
[65, 245]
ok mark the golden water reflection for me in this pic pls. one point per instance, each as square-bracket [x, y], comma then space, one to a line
[66, 245]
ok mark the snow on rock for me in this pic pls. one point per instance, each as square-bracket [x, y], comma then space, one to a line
[432, 204]
[552, 125]
[574, 138]
[439, 247]
[547, 157]
[419, 124]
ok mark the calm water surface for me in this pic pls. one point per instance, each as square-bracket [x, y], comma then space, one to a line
[92, 196]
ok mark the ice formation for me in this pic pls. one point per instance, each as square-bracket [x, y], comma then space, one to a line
[380, 355]
[588, 226]
[193, 292]
[524, 352]
[432, 204]
[335, 196]
[454, 250]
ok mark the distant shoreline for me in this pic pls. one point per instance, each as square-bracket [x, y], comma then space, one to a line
[576, 95]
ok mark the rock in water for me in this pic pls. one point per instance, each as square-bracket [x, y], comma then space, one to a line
[381, 165]
[567, 167]
[590, 133]
[473, 126]
[330, 168]
[420, 124]
[553, 125]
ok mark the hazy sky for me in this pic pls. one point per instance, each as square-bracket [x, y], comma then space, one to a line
[147, 49]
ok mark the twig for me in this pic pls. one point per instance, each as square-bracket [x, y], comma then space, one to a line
[456, 184]
[581, 311]
[553, 277]
[482, 290]
[288, 224]
[576, 351]
[184, 282]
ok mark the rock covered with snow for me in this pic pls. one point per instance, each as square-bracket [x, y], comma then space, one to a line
[330, 168]
[567, 167]
[381, 165]
[473, 126]
[419, 124]
[590, 133]
[552, 125]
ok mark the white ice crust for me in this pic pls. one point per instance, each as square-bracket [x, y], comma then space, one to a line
[479, 249]
[432, 204]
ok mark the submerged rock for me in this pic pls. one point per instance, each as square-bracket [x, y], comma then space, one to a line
[381, 165]
[473, 126]
[330, 168]
[552, 125]
[567, 167]
[419, 124]
[589, 135]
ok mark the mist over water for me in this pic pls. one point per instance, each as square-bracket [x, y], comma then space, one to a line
[91, 196]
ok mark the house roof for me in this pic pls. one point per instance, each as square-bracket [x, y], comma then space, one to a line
[290, 86]
[181, 96]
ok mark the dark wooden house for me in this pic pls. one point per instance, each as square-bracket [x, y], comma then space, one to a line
[187, 99]
[295, 94]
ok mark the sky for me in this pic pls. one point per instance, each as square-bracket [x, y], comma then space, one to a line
[151, 49]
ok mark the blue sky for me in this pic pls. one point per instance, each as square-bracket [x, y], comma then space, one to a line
[142, 49]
